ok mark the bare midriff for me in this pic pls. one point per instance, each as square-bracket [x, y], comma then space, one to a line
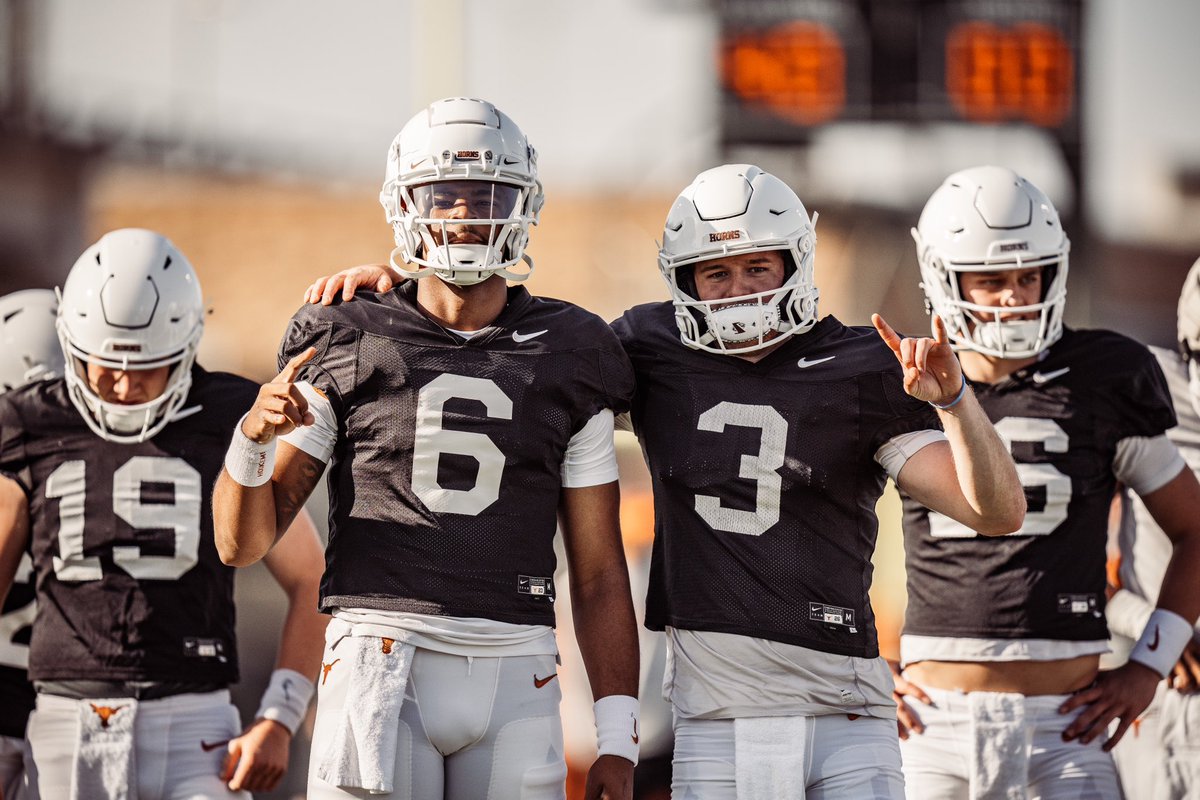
[1023, 677]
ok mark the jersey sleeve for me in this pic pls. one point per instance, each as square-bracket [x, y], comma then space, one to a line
[897, 412]
[331, 370]
[1142, 399]
[616, 375]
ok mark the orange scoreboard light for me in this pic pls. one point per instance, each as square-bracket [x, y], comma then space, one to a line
[1014, 64]
[789, 66]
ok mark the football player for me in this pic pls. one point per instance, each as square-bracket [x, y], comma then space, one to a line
[1160, 756]
[106, 473]
[770, 435]
[1002, 640]
[29, 351]
[458, 416]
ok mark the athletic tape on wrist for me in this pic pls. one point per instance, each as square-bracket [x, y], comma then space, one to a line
[286, 698]
[617, 731]
[248, 462]
[1162, 642]
[1128, 613]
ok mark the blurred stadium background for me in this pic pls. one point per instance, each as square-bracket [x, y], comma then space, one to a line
[253, 134]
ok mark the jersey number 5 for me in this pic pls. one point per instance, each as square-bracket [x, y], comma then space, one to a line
[68, 483]
[1054, 439]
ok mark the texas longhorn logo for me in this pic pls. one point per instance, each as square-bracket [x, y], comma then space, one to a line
[386, 644]
[105, 713]
[325, 669]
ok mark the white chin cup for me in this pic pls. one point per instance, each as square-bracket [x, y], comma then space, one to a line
[1016, 336]
[468, 263]
[744, 322]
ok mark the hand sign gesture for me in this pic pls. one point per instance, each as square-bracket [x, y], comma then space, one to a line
[931, 370]
[280, 407]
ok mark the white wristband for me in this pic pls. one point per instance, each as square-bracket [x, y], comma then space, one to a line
[248, 462]
[617, 726]
[1128, 613]
[286, 698]
[1162, 642]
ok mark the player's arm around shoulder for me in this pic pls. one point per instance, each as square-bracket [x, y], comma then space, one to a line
[971, 477]
[606, 629]
[14, 531]
[264, 483]
[258, 759]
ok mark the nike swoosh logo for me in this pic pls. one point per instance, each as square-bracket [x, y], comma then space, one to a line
[635, 735]
[540, 682]
[1154, 645]
[1045, 377]
[208, 747]
[525, 337]
[805, 363]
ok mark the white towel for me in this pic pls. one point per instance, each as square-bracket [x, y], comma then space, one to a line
[1000, 764]
[769, 757]
[104, 763]
[363, 752]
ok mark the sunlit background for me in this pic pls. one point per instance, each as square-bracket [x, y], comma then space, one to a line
[253, 134]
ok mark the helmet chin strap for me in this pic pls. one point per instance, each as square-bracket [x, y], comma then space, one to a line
[1194, 383]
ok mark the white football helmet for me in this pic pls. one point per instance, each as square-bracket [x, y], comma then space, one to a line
[986, 219]
[29, 349]
[727, 211]
[461, 139]
[132, 301]
[1189, 330]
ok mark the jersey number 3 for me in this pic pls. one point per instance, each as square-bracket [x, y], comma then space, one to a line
[763, 468]
[68, 483]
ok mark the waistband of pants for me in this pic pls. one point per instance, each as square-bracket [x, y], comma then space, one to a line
[138, 690]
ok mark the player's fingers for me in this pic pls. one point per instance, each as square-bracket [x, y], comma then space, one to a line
[385, 283]
[910, 721]
[1116, 735]
[889, 336]
[907, 350]
[1079, 699]
[292, 368]
[313, 293]
[1082, 726]
[921, 354]
[332, 285]
[940, 336]
[233, 754]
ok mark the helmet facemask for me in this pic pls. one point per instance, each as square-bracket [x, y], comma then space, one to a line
[457, 145]
[728, 211]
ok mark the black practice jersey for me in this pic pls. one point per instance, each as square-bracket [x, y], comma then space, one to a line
[765, 481]
[445, 479]
[129, 584]
[1062, 417]
[16, 623]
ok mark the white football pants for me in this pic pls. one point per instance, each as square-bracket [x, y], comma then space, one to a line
[958, 745]
[472, 728]
[168, 737]
[839, 758]
[1159, 756]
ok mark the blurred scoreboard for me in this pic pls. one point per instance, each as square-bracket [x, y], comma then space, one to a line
[787, 66]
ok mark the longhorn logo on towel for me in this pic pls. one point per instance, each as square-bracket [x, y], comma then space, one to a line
[325, 669]
[387, 645]
[105, 713]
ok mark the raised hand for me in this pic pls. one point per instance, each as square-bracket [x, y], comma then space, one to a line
[931, 369]
[374, 277]
[280, 407]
